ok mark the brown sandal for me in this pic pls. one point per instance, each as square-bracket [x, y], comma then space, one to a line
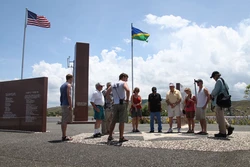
[122, 140]
[67, 138]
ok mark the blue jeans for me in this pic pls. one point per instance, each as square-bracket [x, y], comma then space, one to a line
[152, 118]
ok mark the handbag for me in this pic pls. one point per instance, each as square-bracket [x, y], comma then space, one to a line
[224, 101]
[183, 111]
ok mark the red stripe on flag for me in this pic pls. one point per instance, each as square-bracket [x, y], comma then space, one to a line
[41, 21]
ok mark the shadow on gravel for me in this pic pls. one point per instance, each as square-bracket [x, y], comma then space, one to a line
[219, 138]
[56, 141]
[92, 137]
[112, 143]
[16, 131]
[132, 133]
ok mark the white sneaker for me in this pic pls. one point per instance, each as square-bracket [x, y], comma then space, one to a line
[170, 130]
[179, 130]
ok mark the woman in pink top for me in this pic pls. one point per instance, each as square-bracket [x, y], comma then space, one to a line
[190, 102]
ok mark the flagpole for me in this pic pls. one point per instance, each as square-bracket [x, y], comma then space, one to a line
[132, 58]
[24, 35]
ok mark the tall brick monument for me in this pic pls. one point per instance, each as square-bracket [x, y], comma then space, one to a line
[81, 81]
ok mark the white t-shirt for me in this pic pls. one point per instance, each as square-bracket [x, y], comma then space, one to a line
[201, 98]
[118, 91]
[97, 98]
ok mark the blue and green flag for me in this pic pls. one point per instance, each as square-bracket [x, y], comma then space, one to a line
[139, 35]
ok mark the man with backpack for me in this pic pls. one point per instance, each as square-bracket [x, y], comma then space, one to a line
[220, 87]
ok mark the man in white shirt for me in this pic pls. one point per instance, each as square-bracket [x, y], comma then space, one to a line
[97, 101]
[203, 98]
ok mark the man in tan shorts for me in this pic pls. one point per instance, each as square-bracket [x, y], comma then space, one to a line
[66, 105]
[203, 98]
[173, 100]
[121, 99]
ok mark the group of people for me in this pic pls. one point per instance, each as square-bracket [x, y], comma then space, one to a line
[112, 104]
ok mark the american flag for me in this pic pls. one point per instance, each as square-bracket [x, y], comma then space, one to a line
[35, 20]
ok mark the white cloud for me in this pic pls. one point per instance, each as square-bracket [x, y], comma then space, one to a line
[127, 41]
[56, 76]
[167, 21]
[66, 39]
[118, 49]
[189, 53]
[240, 86]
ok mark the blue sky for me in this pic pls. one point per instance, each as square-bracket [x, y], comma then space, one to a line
[103, 24]
[188, 39]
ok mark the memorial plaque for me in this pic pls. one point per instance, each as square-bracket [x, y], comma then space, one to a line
[23, 104]
[81, 80]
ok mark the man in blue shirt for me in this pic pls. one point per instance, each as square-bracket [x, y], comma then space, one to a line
[218, 89]
[66, 105]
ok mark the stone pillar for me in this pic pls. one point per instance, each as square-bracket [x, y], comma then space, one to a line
[81, 81]
[178, 86]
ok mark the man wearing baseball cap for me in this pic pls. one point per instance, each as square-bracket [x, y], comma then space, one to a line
[220, 87]
[154, 107]
[173, 99]
[201, 106]
[97, 101]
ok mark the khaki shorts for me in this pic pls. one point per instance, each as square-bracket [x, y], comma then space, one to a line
[120, 113]
[200, 113]
[66, 114]
[176, 111]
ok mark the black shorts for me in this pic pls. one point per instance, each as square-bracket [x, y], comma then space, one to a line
[190, 114]
[136, 113]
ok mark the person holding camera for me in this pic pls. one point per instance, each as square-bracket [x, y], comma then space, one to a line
[189, 109]
[201, 106]
[121, 100]
[108, 110]
[220, 87]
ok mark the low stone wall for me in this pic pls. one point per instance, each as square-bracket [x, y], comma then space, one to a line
[234, 120]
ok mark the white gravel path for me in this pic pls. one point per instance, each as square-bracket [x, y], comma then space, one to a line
[175, 141]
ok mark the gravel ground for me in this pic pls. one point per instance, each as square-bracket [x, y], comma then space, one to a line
[238, 141]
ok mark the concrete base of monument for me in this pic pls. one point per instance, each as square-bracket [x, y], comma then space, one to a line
[80, 122]
[20, 131]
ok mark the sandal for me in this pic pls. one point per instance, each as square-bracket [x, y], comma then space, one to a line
[67, 138]
[122, 140]
[110, 138]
